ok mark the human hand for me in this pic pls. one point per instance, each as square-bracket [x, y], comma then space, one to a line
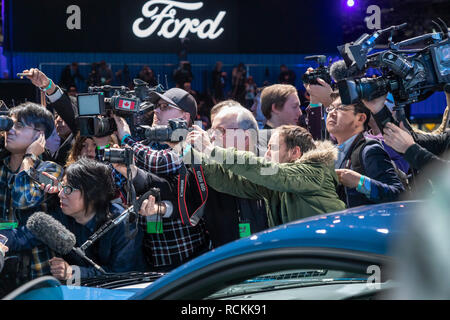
[320, 93]
[398, 139]
[348, 178]
[39, 79]
[38, 146]
[376, 104]
[199, 140]
[60, 269]
[3, 248]
[149, 207]
[122, 127]
[50, 188]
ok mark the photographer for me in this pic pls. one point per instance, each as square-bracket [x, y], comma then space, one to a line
[20, 195]
[61, 105]
[172, 242]
[419, 149]
[364, 168]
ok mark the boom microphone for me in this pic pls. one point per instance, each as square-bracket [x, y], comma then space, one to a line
[56, 236]
[51, 232]
[339, 71]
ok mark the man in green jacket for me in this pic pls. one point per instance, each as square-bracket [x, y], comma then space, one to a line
[296, 178]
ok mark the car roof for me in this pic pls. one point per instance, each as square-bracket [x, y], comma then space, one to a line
[369, 229]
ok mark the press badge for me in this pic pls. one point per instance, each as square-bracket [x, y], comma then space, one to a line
[244, 230]
[155, 227]
[8, 225]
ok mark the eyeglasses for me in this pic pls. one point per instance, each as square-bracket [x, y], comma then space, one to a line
[163, 106]
[338, 108]
[221, 130]
[19, 126]
[66, 188]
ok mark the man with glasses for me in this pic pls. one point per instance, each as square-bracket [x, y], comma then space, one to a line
[231, 217]
[159, 158]
[296, 179]
[363, 166]
[172, 242]
[20, 196]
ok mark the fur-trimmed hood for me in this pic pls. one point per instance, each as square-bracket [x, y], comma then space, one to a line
[325, 152]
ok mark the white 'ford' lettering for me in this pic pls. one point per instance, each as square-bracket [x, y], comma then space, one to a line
[171, 26]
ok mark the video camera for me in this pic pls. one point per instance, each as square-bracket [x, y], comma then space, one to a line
[176, 131]
[410, 75]
[322, 72]
[95, 110]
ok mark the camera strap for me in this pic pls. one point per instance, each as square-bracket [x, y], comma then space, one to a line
[203, 190]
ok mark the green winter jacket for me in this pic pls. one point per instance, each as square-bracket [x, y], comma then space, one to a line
[291, 191]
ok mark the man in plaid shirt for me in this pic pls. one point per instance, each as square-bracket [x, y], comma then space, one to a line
[168, 242]
[20, 195]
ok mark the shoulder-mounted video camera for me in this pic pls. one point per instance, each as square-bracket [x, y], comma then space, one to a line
[410, 74]
[95, 110]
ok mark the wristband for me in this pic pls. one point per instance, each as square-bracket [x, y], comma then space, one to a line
[30, 155]
[360, 184]
[122, 142]
[315, 105]
[48, 87]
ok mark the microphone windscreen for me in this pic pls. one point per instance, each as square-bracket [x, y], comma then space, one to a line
[339, 71]
[51, 232]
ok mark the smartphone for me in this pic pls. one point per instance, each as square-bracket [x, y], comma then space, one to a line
[39, 177]
[21, 75]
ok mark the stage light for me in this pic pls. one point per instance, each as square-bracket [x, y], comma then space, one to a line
[350, 3]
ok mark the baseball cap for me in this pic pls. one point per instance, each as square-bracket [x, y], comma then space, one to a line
[179, 97]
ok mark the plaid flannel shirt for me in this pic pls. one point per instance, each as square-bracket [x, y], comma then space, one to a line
[176, 244]
[20, 197]
[155, 158]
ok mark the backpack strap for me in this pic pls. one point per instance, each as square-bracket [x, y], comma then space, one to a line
[356, 158]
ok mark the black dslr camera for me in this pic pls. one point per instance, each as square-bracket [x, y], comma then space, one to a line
[410, 74]
[117, 155]
[322, 72]
[175, 131]
[95, 110]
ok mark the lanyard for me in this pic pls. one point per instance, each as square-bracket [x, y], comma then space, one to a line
[203, 190]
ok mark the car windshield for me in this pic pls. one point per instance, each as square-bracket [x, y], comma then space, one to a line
[288, 279]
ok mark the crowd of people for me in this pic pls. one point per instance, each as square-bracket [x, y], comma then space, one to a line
[239, 85]
[263, 165]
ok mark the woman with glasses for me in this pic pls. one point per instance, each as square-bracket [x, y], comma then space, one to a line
[85, 194]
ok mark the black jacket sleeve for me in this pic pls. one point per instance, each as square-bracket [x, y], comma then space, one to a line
[144, 180]
[428, 149]
[63, 106]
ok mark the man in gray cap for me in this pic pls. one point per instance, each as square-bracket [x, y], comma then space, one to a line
[177, 241]
[174, 103]
[159, 158]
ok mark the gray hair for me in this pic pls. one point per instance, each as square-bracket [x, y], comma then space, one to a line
[245, 121]
[245, 118]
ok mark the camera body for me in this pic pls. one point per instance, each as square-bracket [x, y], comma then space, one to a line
[322, 71]
[6, 123]
[410, 75]
[117, 155]
[175, 131]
